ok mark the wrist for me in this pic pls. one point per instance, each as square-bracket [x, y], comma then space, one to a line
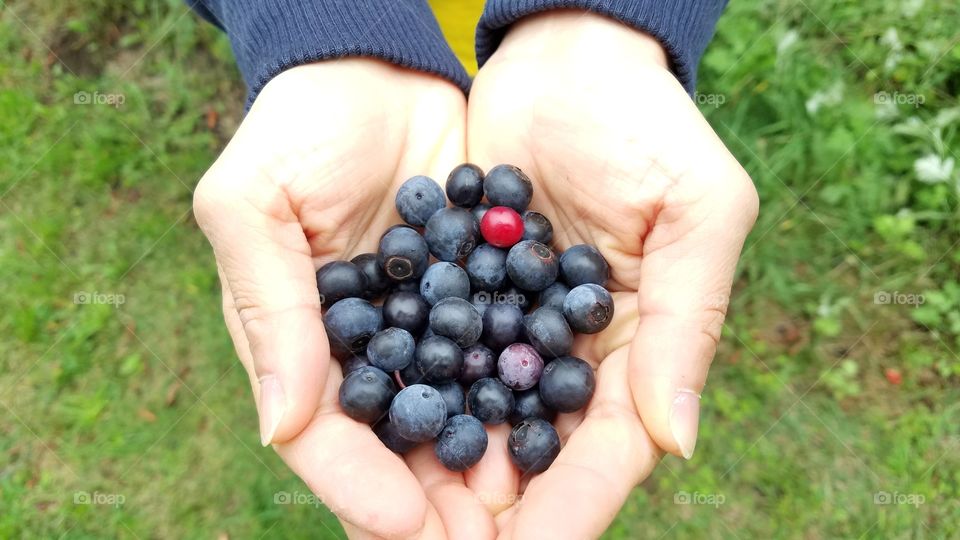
[575, 37]
[356, 80]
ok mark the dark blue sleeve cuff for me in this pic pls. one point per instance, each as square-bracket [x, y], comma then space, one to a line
[683, 27]
[270, 36]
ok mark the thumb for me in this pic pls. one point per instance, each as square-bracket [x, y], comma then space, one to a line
[686, 273]
[267, 267]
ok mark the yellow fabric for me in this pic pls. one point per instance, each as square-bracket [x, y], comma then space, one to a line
[458, 18]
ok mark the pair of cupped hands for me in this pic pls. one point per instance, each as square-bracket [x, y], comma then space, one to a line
[620, 158]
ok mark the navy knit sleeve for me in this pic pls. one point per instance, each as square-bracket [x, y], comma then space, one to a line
[270, 36]
[683, 27]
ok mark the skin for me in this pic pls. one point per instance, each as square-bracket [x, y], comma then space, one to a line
[620, 158]
[310, 177]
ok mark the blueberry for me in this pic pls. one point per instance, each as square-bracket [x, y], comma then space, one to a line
[567, 384]
[378, 282]
[506, 185]
[465, 185]
[501, 325]
[444, 280]
[552, 296]
[451, 234]
[337, 280]
[439, 359]
[388, 435]
[403, 254]
[529, 404]
[532, 265]
[583, 264]
[537, 227]
[588, 308]
[418, 199]
[490, 401]
[456, 319]
[391, 349]
[350, 323]
[397, 226]
[407, 285]
[478, 362]
[462, 443]
[548, 332]
[486, 268]
[410, 375]
[354, 363]
[533, 445]
[365, 394]
[418, 412]
[479, 211]
[406, 310]
[453, 397]
[520, 366]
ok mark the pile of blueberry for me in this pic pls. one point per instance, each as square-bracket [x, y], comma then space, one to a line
[480, 336]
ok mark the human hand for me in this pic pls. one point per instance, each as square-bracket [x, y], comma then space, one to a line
[310, 177]
[622, 159]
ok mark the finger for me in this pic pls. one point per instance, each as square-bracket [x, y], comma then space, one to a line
[686, 272]
[494, 479]
[459, 508]
[432, 529]
[604, 458]
[266, 264]
[354, 475]
[235, 329]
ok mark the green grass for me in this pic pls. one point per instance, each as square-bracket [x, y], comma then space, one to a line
[144, 404]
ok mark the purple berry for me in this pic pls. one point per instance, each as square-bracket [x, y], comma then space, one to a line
[520, 366]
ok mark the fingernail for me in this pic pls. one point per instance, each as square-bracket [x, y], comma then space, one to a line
[273, 404]
[685, 420]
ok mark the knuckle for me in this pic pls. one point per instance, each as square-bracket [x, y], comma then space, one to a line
[260, 322]
[712, 324]
[749, 196]
[208, 198]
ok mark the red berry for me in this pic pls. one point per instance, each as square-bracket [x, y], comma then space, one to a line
[501, 226]
[893, 376]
